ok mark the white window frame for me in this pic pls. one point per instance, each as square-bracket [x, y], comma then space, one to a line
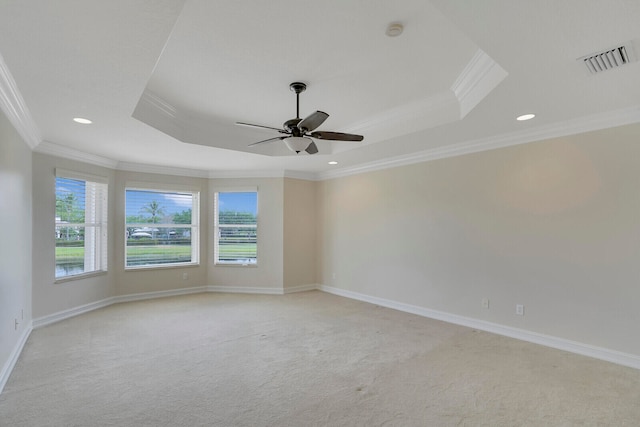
[217, 226]
[194, 226]
[95, 225]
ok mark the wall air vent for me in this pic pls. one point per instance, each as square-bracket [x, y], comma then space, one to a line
[612, 58]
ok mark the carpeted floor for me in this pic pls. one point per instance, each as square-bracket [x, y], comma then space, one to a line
[307, 359]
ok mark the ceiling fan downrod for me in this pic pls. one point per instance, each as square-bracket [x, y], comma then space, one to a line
[298, 87]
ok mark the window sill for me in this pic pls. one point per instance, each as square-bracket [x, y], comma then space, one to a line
[236, 265]
[160, 267]
[79, 276]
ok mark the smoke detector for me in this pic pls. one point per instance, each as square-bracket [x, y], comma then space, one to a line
[394, 29]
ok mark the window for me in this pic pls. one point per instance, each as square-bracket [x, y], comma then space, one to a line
[236, 226]
[162, 227]
[81, 224]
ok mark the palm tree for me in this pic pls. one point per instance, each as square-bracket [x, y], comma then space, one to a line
[155, 210]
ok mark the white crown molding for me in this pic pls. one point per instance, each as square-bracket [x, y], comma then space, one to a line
[162, 170]
[65, 152]
[613, 356]
[158, 104]
[15, 108]
[579, 125]
[229, 174]
[46, 147]
[571, 127]
[417, 110]
[306, 176]
[481, 75]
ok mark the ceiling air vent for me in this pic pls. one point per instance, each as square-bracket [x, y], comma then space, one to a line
[613, 58]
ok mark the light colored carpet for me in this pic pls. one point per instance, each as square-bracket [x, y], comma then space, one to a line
[308, 359]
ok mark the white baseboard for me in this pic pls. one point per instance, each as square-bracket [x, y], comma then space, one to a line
[608, 355]
[66, 314]
[13, 357]
[259, 290]
[72, 312]
[245, 290]
[158, 294]
[300, 288]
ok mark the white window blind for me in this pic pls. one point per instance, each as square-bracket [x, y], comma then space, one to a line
[236, 227]
[162, 227]
[80, 224]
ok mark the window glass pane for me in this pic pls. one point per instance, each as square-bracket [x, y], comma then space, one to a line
[236, 234]
[160, 228]
[237, 208]
[69, 250]
[70, 201]
[80, 231]
[237, 244]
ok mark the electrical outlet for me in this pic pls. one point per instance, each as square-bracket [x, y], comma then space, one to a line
[185, 276]
[485, 303]
[520, 309]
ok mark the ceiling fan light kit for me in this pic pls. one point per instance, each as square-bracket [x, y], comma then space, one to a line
[300, 131]
[297, 143]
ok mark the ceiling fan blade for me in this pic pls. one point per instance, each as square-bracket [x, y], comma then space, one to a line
[312, 121]
[312, 148]
[336, 136]
[268, 140]
[260, 126]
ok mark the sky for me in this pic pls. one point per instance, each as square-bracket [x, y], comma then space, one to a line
[176, 202]
[239, 202]
[171, 203]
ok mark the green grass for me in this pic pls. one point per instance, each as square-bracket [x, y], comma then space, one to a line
[158, 254]
[237, 251]
[136, 255]
[169, 253]
[158, 251]
[69, 255]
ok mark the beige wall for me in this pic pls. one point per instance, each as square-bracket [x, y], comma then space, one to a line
[267, 275]
[50, 297]
[15, 249]
[552, 225]
[300, 220]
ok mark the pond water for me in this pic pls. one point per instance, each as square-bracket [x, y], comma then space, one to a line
[69, 269]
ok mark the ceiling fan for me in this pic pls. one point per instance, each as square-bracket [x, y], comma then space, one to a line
[298, 132]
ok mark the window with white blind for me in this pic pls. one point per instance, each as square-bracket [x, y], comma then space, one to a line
[236, 227]
[162, 227]
[81, 224]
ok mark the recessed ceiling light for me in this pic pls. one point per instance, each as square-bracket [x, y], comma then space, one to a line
[525, 117]
[82, 120]
[394, 29]
[333, 162]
